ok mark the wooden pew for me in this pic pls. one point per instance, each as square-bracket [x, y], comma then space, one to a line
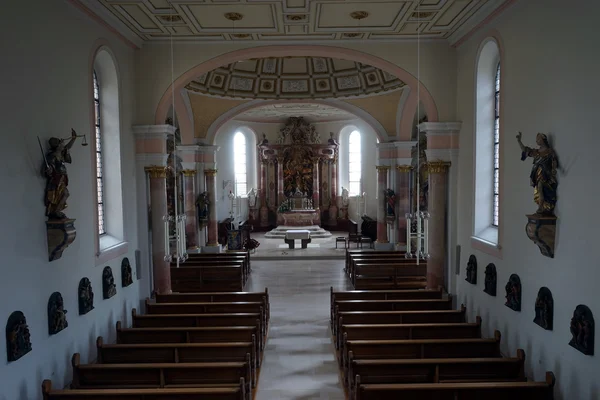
[123, 376]
[356, 252]
[197, 320]
[207, 308]
[380, 261]
[381, 295]
[225, 278]
[215, 264]
[230, 255]
[216, 297]
[459, 391]
[422, 348]
[437, 370]
[399, 317]
[217, 393]
[461, 330]
[177, 353]
[211, 334]
[389, 276]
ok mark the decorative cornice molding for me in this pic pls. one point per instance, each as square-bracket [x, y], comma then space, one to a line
[405, 144]
[153, 131]
[156, 171]
[386, 145]
[148, 159]
[188, 149]
[448, 155]
[210, 172]
[486, 14]
[440, 128]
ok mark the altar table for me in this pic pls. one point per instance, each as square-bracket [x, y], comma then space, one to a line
[293, 234]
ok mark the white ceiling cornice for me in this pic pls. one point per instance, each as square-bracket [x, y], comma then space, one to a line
[486, 11]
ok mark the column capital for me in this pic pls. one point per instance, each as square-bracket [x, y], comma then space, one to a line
[189, 172]
[210, 172]
[156, 171]
[382, 168]
[404, 168]
[438, 166]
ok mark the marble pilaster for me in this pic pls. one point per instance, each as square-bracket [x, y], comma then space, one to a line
[333, 210]
[382, 176]
[189, 204]
[280, 193]
[316, 184]
[264, 191]
[438, 188]
[211, 187]
[403, 179]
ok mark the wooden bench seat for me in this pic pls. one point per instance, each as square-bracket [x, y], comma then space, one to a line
[461, 330]
[422, 348]
[371, 253]
[216, 297]
[358, 262]
[226, 262]
[140, 375]
[399, 317]
[211, 334]
[417, 282]
[245, 255]
[381, 295]
[217, 393]
[223, 278]
[459, 391]
[437, 370]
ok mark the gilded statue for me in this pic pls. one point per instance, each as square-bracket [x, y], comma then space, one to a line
[543, 173]
[57, 181]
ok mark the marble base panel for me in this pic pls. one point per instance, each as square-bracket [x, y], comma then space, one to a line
[212, 249]
[280, 232]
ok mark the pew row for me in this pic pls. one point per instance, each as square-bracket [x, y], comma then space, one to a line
[459, 391]
[223, 278]
[436, 370]
[350, 253]
[398, 317]
[217, 393]
[160, 375]
[178, 353]
[217, 256]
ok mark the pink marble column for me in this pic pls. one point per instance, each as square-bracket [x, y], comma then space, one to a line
[333, 210]
[403, 177]
[158, 209]
[211, 187]
[264, 211]
[438, 189]
[382, 173]
[316, 183]
[280, 193]
[189, 201]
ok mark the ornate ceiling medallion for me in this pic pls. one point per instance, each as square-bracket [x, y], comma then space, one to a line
[233, 16]
[170, 18]
[359, 14]
[241, 35]
[296, 17]
[351, 35]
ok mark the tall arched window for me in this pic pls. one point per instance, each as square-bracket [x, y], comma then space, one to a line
[495, 210]
[354, 164]
[239, 162]
[487, 161]
[99, 176]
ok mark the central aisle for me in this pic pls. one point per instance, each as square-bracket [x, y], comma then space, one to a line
[299, 360]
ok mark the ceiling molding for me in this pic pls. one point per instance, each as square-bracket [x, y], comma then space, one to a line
[487, 12]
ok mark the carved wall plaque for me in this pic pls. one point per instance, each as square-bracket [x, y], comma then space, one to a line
[490, 279]
[57, 315]
[109, 289]
[85, 296]
[18, 339]
[513, 292]
[544, 309]
[472, 270]
[126, 273]
[582, 329]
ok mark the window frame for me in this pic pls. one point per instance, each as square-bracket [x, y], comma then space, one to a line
[354, 161]
[101, 225]
[236, 148]
[496, 158]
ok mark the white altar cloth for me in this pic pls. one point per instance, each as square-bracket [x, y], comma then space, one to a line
[297, 234]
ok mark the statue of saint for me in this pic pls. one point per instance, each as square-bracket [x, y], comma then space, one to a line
[543, 173]
[345, 197]
[202, 204]
[390, 202]
[57, 181]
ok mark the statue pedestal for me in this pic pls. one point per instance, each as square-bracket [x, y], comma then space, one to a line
[541, 229]
[61, 233]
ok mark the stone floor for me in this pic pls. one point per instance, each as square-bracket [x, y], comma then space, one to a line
[299, 360]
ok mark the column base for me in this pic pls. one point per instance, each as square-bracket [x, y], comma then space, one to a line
[212, 249]
[400, 247]
[383, 246]
[194, 250]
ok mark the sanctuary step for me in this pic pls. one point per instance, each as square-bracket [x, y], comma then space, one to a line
[315, 231]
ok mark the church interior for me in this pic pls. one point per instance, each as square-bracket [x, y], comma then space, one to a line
[299, 199]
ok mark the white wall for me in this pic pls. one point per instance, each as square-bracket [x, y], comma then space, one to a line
[550, 84]
[47, 91]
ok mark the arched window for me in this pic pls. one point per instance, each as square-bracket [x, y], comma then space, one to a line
[99, 176]
[495, 208]
[240, 164]
[354, 164]
[487, 160]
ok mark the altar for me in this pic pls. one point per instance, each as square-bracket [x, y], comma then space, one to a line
[300, 218]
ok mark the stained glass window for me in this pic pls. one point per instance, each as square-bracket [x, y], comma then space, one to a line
[496, 148]
[239, 160]
[354, 164]
[99, 175]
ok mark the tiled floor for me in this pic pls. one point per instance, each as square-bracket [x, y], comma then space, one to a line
[299, 361]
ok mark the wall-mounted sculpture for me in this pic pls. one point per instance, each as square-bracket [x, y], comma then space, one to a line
[126, 273]
[544, 309]
[541, 226]
[85, 296]
[490, 280]
[109, 289]
[203, 208]
[18, 339]
[513, 293]
[471, 270]
[582, 329]
[57, 315]
[390, 205]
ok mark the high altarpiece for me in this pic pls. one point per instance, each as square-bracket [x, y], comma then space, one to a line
[298, 177]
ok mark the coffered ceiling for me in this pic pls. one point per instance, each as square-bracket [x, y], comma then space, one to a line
[282, 111]
[279, 78]
[285, 20]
